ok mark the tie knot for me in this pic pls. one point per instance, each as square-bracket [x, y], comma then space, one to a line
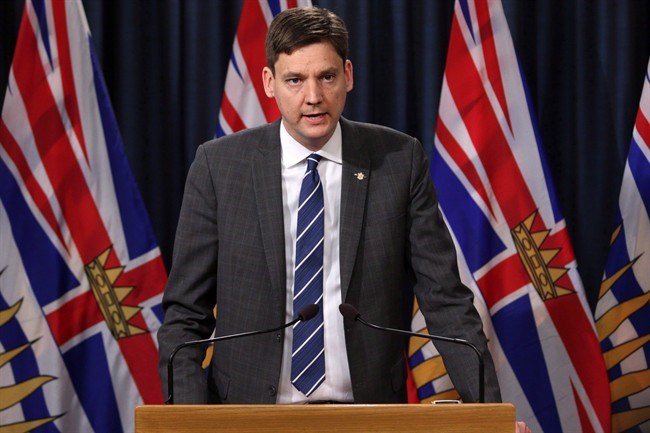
[312, 161]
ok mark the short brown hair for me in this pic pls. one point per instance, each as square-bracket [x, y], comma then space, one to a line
[295, 28]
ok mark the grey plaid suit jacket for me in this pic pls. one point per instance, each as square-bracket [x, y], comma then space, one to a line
[229, 251]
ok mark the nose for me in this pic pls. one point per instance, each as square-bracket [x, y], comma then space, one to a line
[313, 92]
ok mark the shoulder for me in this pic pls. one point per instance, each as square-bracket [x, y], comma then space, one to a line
[380, 142]
[374, 132]
[243, 142]
[236, 152]
[373, 129]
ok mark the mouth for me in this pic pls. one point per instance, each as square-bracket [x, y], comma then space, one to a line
[315, 117]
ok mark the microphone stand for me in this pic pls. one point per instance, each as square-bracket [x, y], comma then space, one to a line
[349, 312]
[306, 313]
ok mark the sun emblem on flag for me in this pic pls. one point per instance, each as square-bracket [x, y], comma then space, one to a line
[17, 392]
[109, 297]
[536, 260]
[633, 382]
[431, 369]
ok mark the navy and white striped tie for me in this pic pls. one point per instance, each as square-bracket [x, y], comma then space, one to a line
[308, 352]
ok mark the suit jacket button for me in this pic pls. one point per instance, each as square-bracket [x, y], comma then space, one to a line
[279, 338]
[272, 390]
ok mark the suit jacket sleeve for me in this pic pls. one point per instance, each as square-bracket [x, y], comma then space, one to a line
[190, 295]
[445, 302]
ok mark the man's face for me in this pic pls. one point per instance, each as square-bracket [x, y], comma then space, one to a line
[310, 86]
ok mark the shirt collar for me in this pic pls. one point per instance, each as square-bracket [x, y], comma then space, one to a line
[294, 152]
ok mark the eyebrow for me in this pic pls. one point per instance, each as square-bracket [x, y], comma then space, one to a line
[291, 74]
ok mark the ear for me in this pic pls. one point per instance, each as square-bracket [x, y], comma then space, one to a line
[268, 80]
[349, 79]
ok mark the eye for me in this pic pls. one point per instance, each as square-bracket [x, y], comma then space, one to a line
[293, 81]
[328, 77]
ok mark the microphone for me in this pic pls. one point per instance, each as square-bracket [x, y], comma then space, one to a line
[306, 313]
[351, 313]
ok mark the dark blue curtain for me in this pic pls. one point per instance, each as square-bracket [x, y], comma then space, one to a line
[165, 62]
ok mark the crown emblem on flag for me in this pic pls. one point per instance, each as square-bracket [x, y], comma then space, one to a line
[536, 260]
[109, 297]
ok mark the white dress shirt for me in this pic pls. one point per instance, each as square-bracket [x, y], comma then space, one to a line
[337, 385]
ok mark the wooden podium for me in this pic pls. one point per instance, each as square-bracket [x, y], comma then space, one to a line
[438, 418]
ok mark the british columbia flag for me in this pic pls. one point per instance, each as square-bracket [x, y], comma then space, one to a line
[623, 310]
[497, 196]
[81, 277]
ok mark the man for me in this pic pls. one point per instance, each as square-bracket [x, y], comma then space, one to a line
[343, 211]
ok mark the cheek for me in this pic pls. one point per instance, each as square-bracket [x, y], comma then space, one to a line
[289, 108]
[339, 99]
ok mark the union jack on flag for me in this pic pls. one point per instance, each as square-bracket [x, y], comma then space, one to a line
[497, 196]
[244, 103]
[81, 277]
[623, 310]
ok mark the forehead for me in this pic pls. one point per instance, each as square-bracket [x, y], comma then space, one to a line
[314, 57]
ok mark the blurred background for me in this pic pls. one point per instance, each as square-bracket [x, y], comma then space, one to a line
[165, 63]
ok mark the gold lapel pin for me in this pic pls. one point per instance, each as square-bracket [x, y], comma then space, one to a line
[360, 176]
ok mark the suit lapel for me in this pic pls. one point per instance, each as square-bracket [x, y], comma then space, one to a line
[267, 183]
[354, 189]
